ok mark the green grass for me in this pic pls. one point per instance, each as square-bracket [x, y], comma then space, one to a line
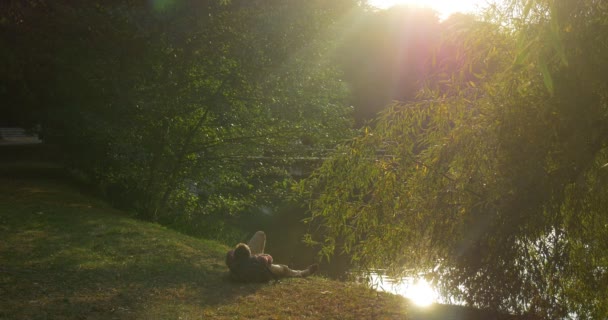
[66, 255]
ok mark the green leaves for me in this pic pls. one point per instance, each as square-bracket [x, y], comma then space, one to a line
[500, 181]
[547, 79]
[540, 50]
[191, 107]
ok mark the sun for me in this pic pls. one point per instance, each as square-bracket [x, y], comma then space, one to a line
[443, 7]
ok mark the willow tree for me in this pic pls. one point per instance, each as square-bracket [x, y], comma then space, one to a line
[493, 184]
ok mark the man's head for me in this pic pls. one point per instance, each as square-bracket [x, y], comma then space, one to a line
[242, 251]
[237, 255]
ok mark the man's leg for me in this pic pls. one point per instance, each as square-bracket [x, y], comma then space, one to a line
[257, 243]
[283, 271]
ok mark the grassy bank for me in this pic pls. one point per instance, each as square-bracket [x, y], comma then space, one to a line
[65, 255]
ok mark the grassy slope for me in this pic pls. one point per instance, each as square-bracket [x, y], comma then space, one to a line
[64, 255]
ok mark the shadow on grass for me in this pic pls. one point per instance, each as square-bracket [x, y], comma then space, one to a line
[66, 256]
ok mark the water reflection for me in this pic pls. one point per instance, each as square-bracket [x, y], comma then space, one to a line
[418, 290]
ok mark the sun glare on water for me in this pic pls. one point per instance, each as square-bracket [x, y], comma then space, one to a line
[443, 7]
[418, 291]
[421, 293]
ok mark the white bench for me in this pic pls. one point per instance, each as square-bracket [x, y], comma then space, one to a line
[16, 135]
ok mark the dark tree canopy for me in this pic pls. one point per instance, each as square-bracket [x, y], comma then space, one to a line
[179, 107]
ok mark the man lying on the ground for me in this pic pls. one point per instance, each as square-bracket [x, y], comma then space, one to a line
[249, 263]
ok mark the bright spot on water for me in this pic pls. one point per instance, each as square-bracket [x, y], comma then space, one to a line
[421, 293]
[418, 291]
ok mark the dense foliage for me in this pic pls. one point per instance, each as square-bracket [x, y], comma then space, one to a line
[492, 183]
[179, 107]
